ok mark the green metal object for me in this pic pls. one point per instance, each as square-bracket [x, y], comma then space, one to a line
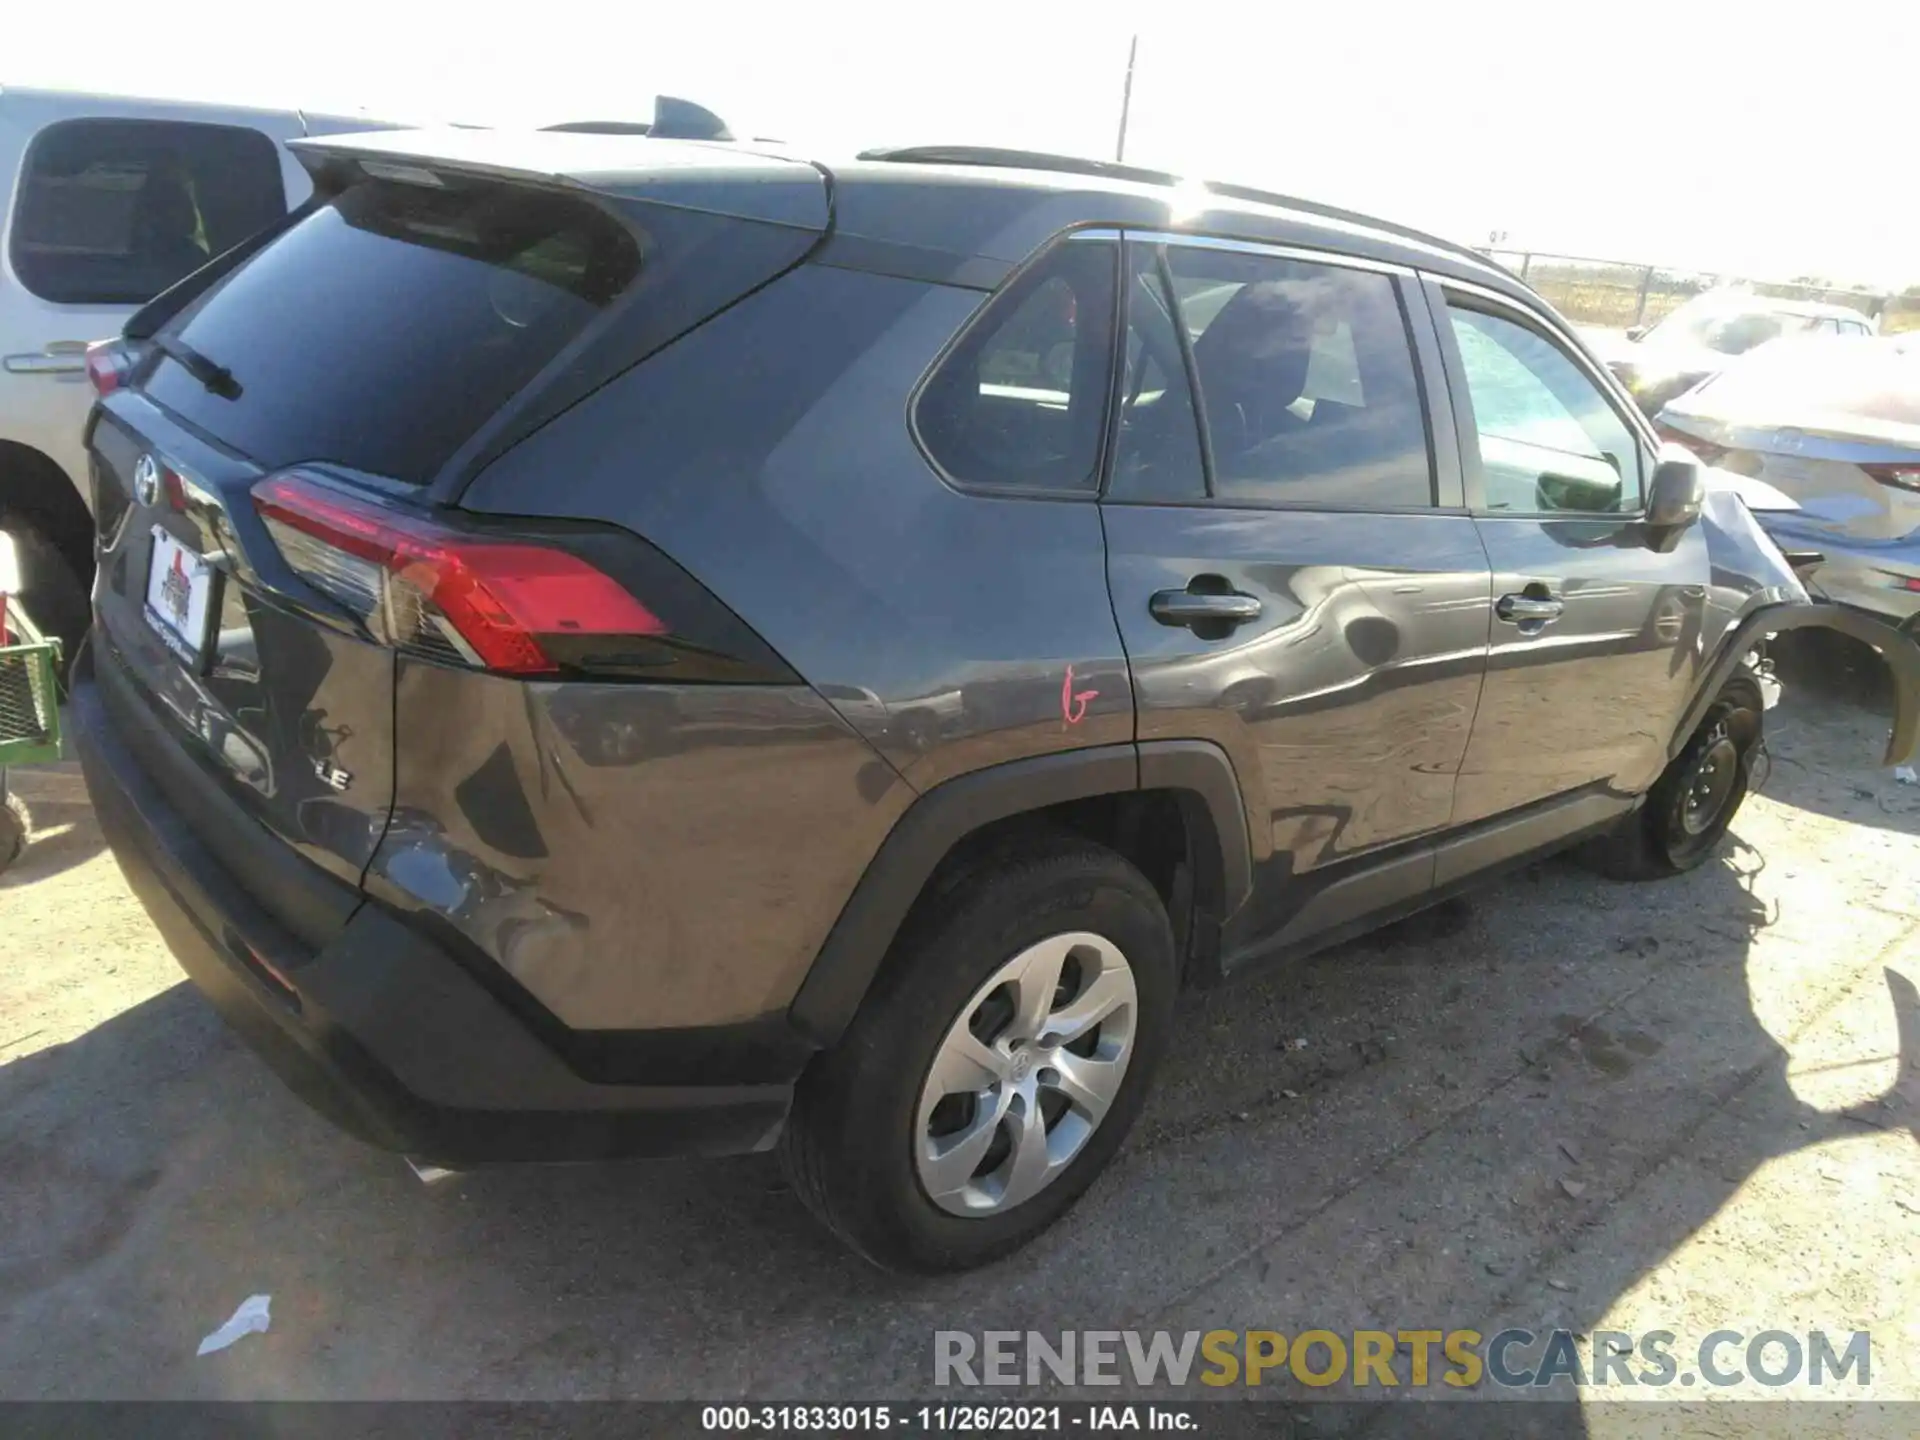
[29, 701]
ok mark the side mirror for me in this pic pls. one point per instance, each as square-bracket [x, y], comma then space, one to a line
[1637, 332]
[1673, 502]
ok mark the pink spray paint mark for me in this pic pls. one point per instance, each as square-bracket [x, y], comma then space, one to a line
[1073, 703]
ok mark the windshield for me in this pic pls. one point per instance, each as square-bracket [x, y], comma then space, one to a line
[1730, 327]
[1869, 387]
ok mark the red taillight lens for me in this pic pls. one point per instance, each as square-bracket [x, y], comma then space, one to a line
[1706, 451]
[442, 593]
[107, 366]
[1901, 477]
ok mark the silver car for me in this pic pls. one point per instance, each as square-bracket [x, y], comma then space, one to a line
[1710, 332]
[1837, 428]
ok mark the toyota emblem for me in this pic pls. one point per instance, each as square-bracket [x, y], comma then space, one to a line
[146, 480]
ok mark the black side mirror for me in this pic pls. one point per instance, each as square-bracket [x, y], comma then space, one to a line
[1637, 332]
[1673, 501]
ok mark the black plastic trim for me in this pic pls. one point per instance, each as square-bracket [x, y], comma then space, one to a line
[1897, 649]
[1337, 902]
[942, 817]
[1201, 769]
[911, 262]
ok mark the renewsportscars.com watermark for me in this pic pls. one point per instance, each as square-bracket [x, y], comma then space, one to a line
[1386, 1359]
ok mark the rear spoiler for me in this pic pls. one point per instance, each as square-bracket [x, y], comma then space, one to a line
[718, 177]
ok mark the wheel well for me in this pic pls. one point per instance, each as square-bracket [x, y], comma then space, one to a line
[1165, 834]
[35, 488]
[1748, 719]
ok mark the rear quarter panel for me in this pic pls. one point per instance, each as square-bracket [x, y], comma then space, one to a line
[636, 856]
[768, 452]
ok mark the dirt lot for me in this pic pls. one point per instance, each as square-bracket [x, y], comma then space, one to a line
[1685, 1106]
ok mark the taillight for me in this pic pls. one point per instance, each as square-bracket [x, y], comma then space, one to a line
[496, 604]
[108, 366]
[1901, 477]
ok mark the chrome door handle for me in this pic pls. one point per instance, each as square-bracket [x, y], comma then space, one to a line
[1524, 609]
[61, 357]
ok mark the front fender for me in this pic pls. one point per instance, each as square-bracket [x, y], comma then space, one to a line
[1897, 650]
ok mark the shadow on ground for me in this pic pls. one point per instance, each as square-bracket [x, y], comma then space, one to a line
[1828, 736]
[1503, 1111]
[63, 833]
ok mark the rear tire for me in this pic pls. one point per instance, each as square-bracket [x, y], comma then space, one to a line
[876, 1130]
[1692, 804]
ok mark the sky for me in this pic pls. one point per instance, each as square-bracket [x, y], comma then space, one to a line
[1761, 139]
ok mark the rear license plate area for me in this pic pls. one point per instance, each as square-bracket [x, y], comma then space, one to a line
[182, 599]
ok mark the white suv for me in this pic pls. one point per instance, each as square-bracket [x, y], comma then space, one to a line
[104, 202]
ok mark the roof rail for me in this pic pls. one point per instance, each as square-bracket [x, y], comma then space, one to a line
[989, 155]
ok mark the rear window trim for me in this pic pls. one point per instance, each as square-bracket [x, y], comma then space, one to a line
[1090, 494]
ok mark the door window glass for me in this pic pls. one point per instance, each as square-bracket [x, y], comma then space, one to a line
[1306, 379]
[1549, 441]
[112, 212]
[1021, 401]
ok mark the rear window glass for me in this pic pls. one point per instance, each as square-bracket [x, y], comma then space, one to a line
[385, 328]
[112, 212]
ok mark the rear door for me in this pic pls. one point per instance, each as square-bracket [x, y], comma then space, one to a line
[1294, 576]
[1596, 634]
[114, 202]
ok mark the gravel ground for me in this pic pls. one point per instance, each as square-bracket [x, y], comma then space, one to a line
[1684, 1106]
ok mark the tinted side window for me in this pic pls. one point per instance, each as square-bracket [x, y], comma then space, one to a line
[1549, 441]
[112, 212]
[1306, 379]
[1021, 400]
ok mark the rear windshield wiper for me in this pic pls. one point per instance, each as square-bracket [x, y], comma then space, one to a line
[217, 378]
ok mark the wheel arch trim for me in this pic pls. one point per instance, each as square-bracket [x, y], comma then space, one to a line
[1898, 651]
[1197, 771]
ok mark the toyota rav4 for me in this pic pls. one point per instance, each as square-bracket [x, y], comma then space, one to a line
[607, 645]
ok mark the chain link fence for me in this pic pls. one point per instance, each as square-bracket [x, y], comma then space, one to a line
[1622, 293]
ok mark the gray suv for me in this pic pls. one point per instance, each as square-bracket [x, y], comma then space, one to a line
[607, 645]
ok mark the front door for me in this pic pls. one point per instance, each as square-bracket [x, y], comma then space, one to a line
[1596, 633]
[1286, 583]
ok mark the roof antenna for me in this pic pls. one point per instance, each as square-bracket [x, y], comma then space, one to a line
[673, 119]
[1126, 100]
[677, 119]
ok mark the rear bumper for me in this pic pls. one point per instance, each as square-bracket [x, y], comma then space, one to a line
[379, 1028]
